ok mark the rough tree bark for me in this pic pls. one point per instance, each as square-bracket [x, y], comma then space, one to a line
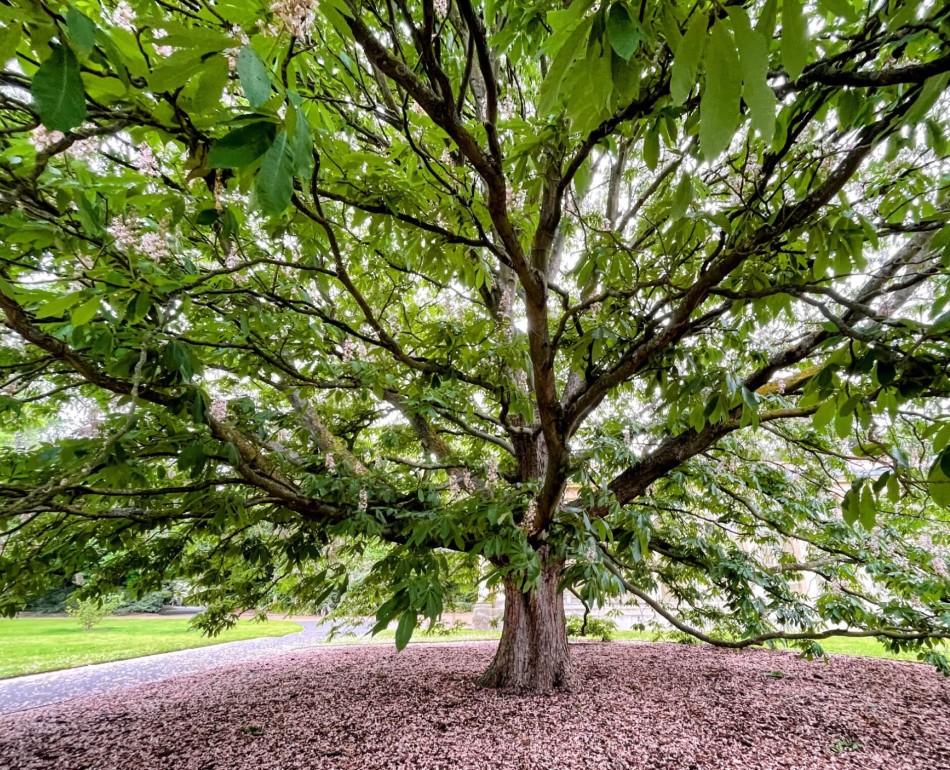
[532, 654]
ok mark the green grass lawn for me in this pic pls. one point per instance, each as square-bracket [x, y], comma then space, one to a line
[865, 647]
[31, 645]
[388, 636]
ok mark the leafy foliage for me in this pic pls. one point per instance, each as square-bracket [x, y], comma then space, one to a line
[91, 612]
[654, 291]
[600, 628]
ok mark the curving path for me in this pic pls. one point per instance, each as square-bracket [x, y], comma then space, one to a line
[33, 690]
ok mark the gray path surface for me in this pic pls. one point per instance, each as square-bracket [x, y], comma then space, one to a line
[34, 690]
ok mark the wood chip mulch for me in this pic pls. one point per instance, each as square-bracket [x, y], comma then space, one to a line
[642, 706]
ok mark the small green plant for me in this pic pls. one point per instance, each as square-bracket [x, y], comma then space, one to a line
[774, 674]
[440, 629]
[601, 628]
[839, 747]
[89, 612]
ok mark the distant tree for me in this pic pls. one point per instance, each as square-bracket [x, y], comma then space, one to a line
[623, 297]
[91, 612]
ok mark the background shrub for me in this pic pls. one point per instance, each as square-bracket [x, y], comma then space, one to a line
[89, 612]
[598, 628]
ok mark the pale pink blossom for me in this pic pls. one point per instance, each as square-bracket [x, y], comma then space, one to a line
[297, 16]
[331, 462]
[218, 192]
[90, 429]
[123, 16]
[516, 199]
[219, 410]
[161, 50]
[125, 237]
[529, 515]
[87, 149]
[145, 160]
[154, 246]
[42, 138]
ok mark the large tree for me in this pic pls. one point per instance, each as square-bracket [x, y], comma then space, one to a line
[636, 297]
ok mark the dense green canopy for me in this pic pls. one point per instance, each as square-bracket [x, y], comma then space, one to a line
[654, 290]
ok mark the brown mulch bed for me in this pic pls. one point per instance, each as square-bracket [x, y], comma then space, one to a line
[632, 706]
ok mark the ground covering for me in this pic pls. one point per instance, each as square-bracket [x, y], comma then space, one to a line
[866, 647]
[29, 645]
[650, 707]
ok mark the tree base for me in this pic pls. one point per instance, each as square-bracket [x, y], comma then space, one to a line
[532, 655]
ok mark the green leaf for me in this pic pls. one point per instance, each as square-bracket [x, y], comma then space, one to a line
[242, 146]
[179, 358]
[622, 31]
[842, 8]
[682, 197]
[719, 104]
[688, 56]
[9, 40]
[583, 178]
[551, 87]
[81, 31]
[58, 91]
[765, 26]
[939, 485]
[825, 414]
[932, 90]
[794, 38]
[843, 424]
[590, 95]
[56, 307]
[275, 180]
[867, 509]
[175, 71]
[407, 624]
[651, 147]
[255, 80]
[192, 459]
[211, 82]
[850, 506]
[754, 60]
[139, 307]
[944, 462]
[626, 78]
[85, 312]
[207, 216]
[302, 145]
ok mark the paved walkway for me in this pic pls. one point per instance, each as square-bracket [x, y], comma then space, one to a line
[34, 690]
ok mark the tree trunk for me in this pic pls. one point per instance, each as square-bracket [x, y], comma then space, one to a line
[532, 654]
